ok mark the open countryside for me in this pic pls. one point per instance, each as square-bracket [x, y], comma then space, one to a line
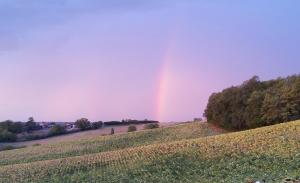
[157, 91]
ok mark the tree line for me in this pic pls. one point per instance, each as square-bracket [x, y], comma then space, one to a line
[9, 129]
[255, 103]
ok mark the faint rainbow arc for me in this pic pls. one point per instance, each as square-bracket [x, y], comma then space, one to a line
[164, 81]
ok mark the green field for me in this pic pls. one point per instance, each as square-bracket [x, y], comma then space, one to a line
[185, 153]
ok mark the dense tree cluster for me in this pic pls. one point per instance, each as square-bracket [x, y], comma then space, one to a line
[256, 103]
[83, 124]
[31, 125]
[97, 125]
[57, 130]
[9, 129]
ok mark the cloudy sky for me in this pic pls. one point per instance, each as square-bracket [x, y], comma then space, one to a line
[160, 59]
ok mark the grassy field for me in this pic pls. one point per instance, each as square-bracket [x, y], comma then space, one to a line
[184, 153]
[119, 129]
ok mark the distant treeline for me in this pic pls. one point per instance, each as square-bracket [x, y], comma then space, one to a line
[129, 122]
[256, 103]
[9, 129]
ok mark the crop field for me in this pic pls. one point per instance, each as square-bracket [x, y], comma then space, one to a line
[107, 143]
[184, 153]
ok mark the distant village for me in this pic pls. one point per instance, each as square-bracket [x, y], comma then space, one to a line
[48, 125]
[71, 125]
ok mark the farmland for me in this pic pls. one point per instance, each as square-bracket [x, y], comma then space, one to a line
[183, 153]
[96, 144]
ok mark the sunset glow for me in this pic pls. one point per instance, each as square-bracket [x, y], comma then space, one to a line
[109, 60]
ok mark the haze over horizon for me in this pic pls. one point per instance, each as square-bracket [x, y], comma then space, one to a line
[161, 60]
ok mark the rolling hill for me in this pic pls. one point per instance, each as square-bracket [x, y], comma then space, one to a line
[184, 153]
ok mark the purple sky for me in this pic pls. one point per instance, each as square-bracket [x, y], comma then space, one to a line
[160, 59]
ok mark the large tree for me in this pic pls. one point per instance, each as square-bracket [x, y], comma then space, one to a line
[31, 125]
[83, 124]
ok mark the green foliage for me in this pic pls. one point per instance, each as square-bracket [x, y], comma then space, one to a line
[14, 127]
[269, 154]
[255, 103]
[7, 136]
[83, 124]
[98, 144]
[151, 126]
[30, 119]
[57, 130]
[97, 125]
[31, 125]
[132, 128]
[18, 127]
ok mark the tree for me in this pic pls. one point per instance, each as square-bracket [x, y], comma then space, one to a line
[132, 128]
[30, 119]
[17, 127]
[253, 114]
[57, 130]
[255, 103]
[97, 125]
[31, 125]
[14, 127]
[6, 136]
[83, 124]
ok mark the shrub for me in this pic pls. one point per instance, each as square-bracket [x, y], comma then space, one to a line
[6, 136]
[112, 131]
[151, 126]
[57, 130]
[97, 125]
[83, 124]
[132, 128]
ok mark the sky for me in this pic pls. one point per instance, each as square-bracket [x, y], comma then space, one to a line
[61, 60]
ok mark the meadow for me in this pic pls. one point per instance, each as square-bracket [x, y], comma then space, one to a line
[185, 153]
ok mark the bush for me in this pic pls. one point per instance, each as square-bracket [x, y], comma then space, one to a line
[151, 126]
[112, 131]
[97, 125]
[6, 136]
[57, 130]
[132, 128]
[83, 124]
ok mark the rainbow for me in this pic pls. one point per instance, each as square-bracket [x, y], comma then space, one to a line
[163, 81]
